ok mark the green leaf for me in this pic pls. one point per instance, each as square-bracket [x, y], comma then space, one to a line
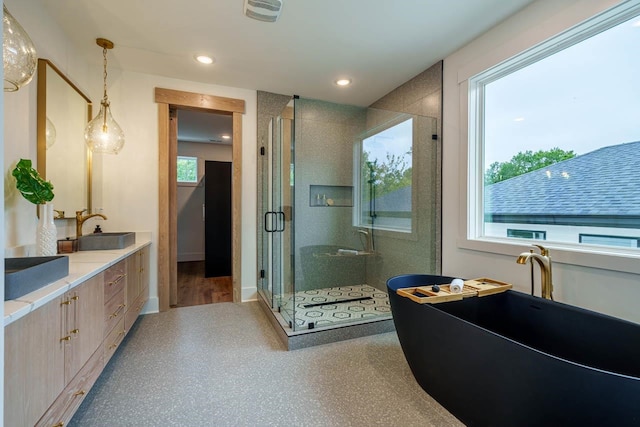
[31, 185]
[525, 162]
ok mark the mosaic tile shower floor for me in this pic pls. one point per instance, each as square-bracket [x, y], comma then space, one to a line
[367, 302]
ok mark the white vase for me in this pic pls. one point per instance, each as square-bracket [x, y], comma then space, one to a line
[47, 233]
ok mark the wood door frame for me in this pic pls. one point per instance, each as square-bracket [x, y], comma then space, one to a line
[168, 100]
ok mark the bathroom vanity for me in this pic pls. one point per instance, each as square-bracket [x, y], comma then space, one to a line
[59, 339]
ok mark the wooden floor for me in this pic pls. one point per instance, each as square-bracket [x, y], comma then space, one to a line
[195, 289]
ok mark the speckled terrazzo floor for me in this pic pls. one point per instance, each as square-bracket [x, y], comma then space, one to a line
[223, 365]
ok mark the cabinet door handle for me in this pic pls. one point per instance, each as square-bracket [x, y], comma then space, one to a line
[60, 424]
[75, 298]
[115, 343]
[79, 393]
[67, 302]
[117, 312]
[67, 338]
[117, 279]
[75, 331]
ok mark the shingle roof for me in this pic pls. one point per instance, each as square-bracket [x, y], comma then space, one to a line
[396, 201]
[605, 181]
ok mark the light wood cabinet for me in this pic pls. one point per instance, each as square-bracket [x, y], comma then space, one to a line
[116, 282]
[33, 363]
[144, 271]
[84, 324]
[54, 355]
[68, 402]
[137, 289]
[114, 279]
[132, 290]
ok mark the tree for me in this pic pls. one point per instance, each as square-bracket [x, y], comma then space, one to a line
[524, 162]
[387, 176]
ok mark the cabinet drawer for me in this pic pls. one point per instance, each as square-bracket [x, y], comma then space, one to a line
[115, 278]
[63, 408]
[113, 311]
[133, 312]
[113, 340]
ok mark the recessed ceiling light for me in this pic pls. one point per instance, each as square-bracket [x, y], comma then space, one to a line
[519, 119]
[343, 82]
[203, 59]
[226, 136]
[636, 24]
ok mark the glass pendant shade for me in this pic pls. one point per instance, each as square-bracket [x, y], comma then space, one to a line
[103, 135]
[18, 54]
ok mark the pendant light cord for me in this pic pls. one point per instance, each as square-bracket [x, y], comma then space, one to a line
[105, 100]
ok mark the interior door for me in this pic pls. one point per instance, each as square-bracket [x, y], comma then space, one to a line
[217, 228]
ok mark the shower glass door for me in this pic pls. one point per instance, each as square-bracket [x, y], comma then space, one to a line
[276, 210]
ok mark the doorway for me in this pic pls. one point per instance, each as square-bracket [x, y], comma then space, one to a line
[203, 193]
[169, 101]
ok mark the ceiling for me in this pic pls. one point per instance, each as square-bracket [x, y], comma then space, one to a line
[203, 127]
[379, 44]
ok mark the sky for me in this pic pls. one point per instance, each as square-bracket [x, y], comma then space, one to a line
[393, 140]
[582, 98]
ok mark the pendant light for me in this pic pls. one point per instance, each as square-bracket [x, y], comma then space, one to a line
[19, 56]
[103, 135]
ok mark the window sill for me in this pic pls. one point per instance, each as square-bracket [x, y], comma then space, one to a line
[188, 184]
[393, 234]
[584, 256]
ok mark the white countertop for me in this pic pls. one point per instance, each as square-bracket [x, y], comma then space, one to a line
[82, 266]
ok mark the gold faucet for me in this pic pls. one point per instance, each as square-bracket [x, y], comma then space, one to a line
[80, 219]
[544, 261]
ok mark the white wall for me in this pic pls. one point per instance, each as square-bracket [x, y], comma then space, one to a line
[126, 185]
[20, 118]
[129, 188]
[190, 199]
[608, 285]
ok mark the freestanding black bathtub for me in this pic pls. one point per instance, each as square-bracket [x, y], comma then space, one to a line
[511, 359]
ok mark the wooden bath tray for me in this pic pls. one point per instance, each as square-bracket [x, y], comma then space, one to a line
[472, 288]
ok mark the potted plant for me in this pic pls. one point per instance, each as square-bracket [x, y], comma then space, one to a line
[39, 192]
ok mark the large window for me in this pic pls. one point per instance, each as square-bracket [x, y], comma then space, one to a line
[385, 177]
[557, 137]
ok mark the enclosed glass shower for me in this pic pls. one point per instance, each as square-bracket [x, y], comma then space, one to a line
[348, 197]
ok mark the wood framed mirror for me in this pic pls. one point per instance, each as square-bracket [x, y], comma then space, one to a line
[63, 111]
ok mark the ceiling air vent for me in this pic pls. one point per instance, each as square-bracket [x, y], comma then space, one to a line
[263, 10]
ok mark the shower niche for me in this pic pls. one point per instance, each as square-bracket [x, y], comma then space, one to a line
[338, 196]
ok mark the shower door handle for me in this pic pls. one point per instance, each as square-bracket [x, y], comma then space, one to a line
[270, 217]
[281, 218]
[274, 222]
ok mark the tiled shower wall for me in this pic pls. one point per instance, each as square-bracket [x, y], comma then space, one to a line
[325, 133]
[324, 137]
[422, 96]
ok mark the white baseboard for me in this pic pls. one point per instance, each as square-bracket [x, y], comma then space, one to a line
[249, 294]
[152, 306]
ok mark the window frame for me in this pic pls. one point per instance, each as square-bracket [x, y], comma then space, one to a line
[518, 54]
[582, 236]
[408, 233]
[199, 172]
[541, 233]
